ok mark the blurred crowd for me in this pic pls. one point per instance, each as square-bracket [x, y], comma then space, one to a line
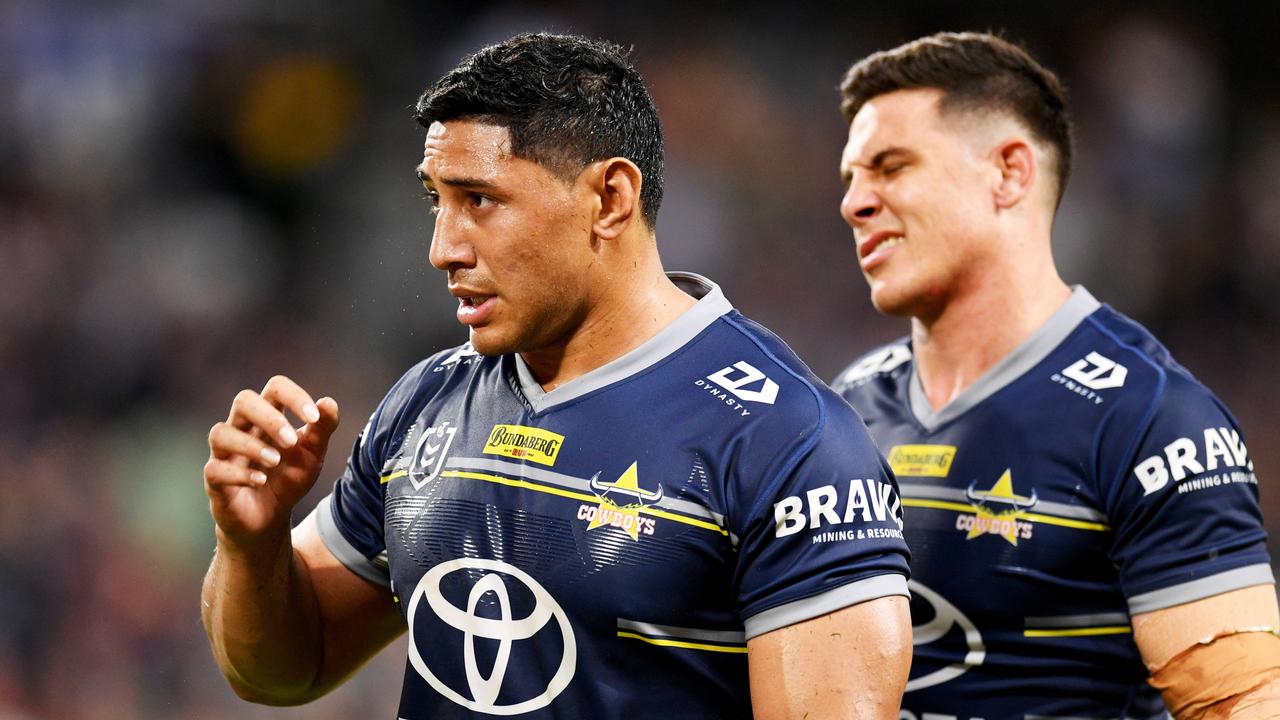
[196, 195]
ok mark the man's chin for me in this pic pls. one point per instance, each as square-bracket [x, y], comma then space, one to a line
[484, 341]
[905, 305]
[887, 302]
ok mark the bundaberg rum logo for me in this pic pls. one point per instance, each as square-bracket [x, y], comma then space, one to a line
[524, 443]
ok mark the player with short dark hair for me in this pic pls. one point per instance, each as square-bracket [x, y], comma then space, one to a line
[620, 498]
[1083, 513]
[977, 75]
[592, 105]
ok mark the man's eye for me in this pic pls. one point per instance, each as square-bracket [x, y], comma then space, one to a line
[888, 170]
[480, 201]
[433, 198]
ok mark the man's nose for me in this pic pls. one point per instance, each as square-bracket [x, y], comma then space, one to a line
[860, 204]
[450, 246]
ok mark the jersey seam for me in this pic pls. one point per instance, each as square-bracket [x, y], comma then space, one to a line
[809, 443]
[822, 590]
[670, 357]
[839, 388]
[1143, 427]
[399, 430]
[1197, 572]
[826, 588]
[374, 457]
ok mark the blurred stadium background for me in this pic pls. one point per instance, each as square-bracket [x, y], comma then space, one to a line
[195, 195]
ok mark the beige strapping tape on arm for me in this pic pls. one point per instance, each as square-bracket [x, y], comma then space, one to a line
[1201, 681]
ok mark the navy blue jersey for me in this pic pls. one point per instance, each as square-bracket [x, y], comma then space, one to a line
[607, 548]
[1084, 478]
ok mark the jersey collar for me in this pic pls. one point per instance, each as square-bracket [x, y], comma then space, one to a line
[1025, 356]
[710, 306]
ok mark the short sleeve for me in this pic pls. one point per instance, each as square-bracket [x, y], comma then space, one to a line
[1184, 505]
[350, 518]
[825, 534]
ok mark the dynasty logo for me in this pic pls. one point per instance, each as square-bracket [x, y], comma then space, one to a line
[464, 355]
[998, 511]
[526, 443]
[620, 504]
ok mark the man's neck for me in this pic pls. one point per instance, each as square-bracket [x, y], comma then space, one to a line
[980, 326]
[633, 310]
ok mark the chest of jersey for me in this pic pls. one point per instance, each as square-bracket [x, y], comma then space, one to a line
[587, 494]
[1010, 499]
[530, 547]
[1084, 476]
[1013, 591]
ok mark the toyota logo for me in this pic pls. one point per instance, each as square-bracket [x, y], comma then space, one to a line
[945, 617]
[505, 629]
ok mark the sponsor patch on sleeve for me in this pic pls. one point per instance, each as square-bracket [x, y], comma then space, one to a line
[1214, 458]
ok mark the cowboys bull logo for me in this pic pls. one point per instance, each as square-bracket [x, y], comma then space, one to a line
[998, 511]
[620, 504]
[429, 455]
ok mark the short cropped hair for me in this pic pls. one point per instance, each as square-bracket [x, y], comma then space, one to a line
[975, 72]
[567, 101]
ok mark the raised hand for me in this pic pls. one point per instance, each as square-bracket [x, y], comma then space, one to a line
[260, 465]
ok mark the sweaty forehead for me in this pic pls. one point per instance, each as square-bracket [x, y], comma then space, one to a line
[464, 145]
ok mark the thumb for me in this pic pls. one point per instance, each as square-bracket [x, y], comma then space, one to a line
[316, 435]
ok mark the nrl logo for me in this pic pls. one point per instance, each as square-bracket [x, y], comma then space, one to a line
[620, 504]
[429, 455]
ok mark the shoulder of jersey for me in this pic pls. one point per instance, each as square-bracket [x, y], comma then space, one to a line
[751, 363]
[884, 360]
[1127, 355]
[429, 376]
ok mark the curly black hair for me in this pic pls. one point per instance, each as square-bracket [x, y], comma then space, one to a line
[567, 101]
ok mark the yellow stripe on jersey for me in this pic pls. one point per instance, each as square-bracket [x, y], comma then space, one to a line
[574, 495]
[1031, 517]
[1080, 632]
[682, 644]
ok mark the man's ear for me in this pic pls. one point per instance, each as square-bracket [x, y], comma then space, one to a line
[617, 183]
[1015, 159]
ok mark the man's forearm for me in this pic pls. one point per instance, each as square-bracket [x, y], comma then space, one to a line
[262, 619]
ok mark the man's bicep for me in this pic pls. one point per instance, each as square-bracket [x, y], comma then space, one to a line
[1161, 634]
[852, 663]
[1217, 656]
[357, 617]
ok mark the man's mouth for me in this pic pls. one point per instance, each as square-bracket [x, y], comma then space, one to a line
[878, 248]
[473, 308]
[890, 242]
[883, 242]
